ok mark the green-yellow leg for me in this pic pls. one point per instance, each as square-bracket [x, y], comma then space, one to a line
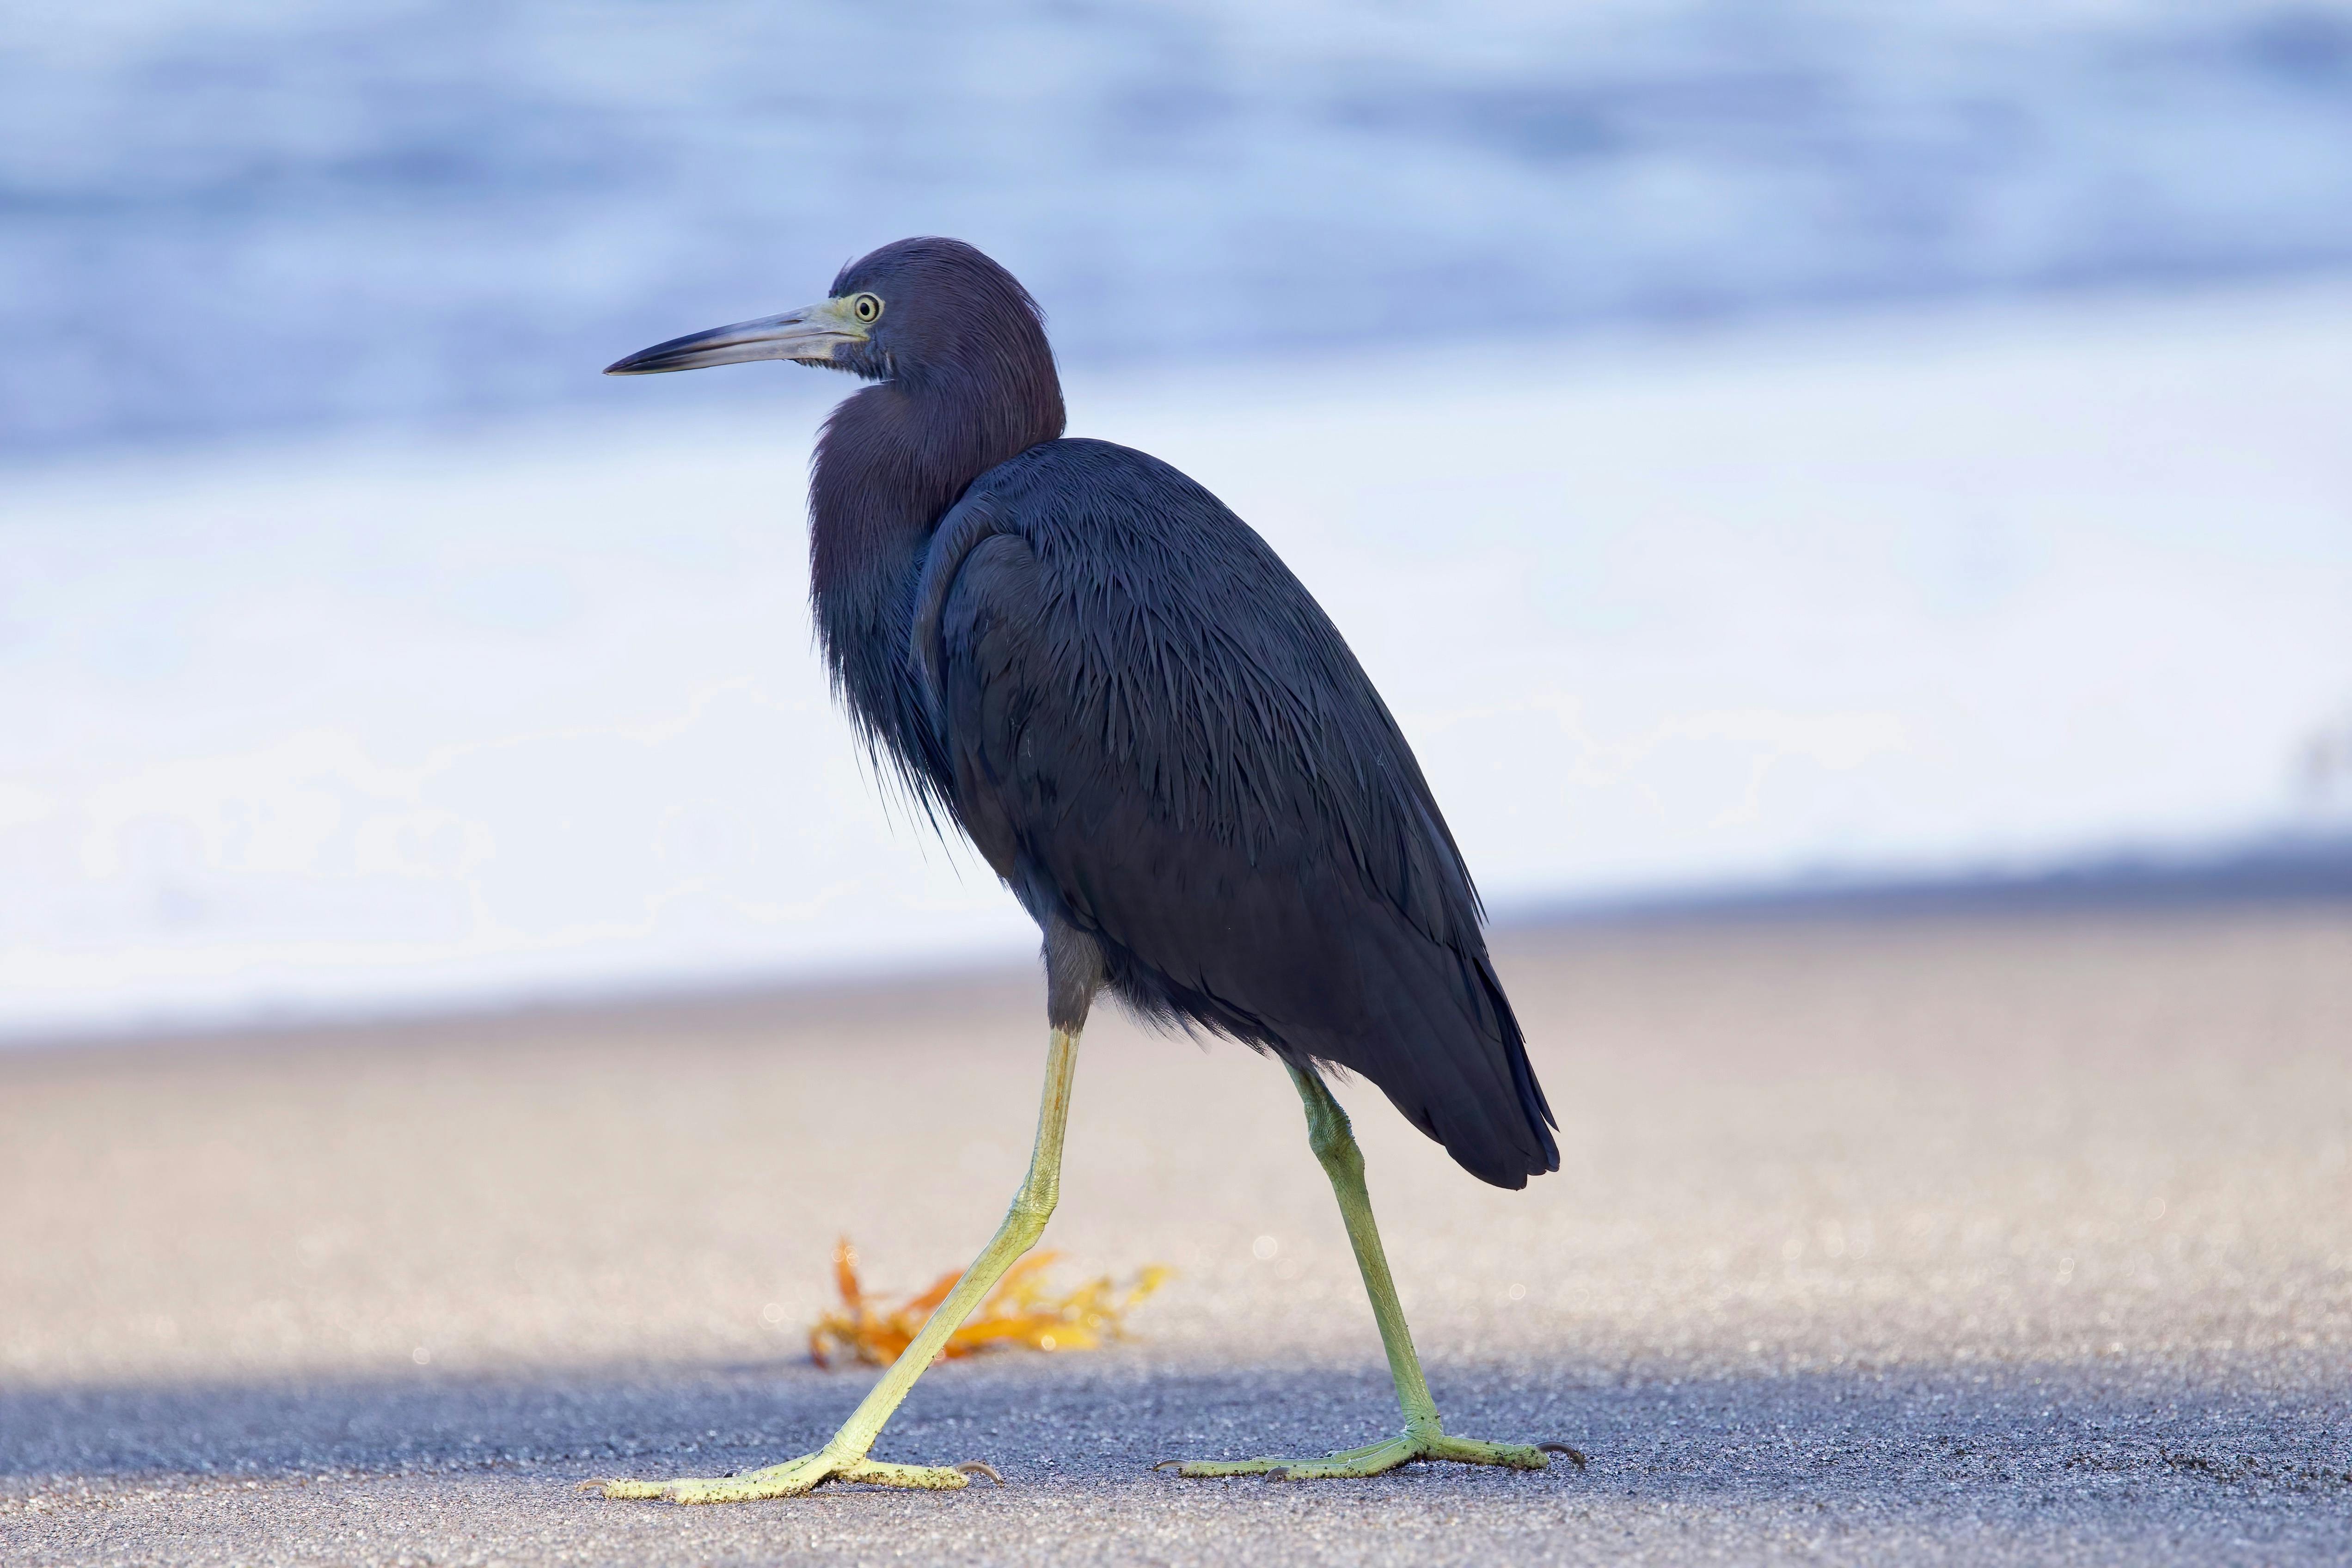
[844, 1458]
[1424, 1437]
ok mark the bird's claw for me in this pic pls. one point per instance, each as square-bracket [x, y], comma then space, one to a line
[797, 1478]
[1378, 1458]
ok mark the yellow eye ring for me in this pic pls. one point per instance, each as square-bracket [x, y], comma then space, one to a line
[866, 308]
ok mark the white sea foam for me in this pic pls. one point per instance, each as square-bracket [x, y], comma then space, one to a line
[375, 723]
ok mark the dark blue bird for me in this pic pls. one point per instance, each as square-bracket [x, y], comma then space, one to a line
[1159, 740]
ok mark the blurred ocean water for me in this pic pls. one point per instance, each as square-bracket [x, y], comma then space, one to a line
[362, 647]
[236, 219]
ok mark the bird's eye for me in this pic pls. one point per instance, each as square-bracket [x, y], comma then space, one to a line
[865, 307]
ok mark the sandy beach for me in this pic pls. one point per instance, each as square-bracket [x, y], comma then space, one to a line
[1973, 1239]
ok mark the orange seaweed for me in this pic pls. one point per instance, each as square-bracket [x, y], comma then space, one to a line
[1021, 1310]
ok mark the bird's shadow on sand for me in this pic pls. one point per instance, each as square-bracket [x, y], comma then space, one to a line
[2067, 1437]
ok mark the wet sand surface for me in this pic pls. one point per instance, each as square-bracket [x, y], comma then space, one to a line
[1973, 1239]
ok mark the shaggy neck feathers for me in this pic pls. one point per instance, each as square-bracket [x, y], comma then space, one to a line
[890, 462]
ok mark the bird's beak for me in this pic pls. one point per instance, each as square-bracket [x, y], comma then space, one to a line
[809, 335]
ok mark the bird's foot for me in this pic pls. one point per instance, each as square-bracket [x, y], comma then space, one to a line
[1380, 1457]
[794, 1478]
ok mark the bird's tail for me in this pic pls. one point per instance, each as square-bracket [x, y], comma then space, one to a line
[1446, 1048]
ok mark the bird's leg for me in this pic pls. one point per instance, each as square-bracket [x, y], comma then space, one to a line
[844, 1458]
[1424, 1437]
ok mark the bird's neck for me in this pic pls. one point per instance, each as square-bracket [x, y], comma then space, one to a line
[891, 461]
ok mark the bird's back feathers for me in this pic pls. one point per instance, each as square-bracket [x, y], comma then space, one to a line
[1153, 732]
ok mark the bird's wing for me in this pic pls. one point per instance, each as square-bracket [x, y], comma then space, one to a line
[1158, 737]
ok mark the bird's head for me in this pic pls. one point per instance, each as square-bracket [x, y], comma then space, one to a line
[918, 311]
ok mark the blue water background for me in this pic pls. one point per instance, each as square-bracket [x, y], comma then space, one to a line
[226, 220]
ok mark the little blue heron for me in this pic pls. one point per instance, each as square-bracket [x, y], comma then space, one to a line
[1159, 740]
